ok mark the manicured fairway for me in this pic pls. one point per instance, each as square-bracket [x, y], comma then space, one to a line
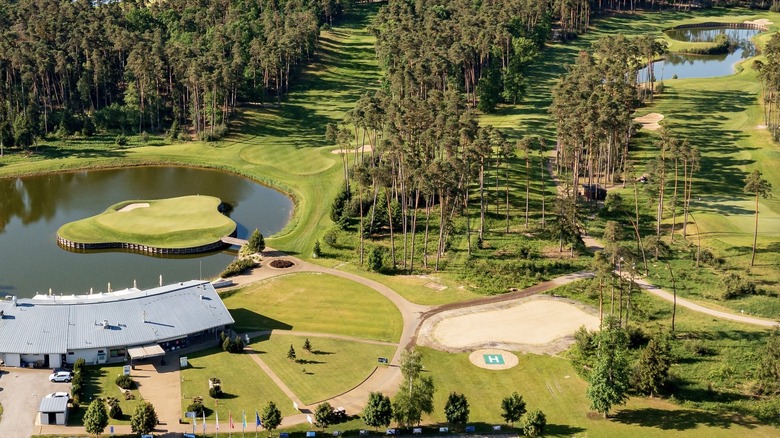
[182, 222]
[316, 303]
[245, 385]
[333, 367]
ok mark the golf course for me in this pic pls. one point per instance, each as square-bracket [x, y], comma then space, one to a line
[503, 275]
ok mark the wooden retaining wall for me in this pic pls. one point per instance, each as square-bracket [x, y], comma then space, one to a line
[144, 249]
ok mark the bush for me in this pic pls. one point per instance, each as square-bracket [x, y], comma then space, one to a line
[734, 285]
[115, 412]
[236, 267]
[124, 382]
[233, 345]
[196, 407]
[215, 391]
[316, 252]
[376, 258]
[281, 263]
[120, 140]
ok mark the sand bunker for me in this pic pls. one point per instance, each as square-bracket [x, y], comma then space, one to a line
[650, 121]
[366, 148]
[130, 207]
[538, 324]
[761, 22]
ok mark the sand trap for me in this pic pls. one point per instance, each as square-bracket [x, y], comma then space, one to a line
[366, 148]
[761, 22]
[494, 359]
[650, 121]
[538, 324]
[130, 207]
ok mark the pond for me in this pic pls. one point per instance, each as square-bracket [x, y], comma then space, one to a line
[32, 210]
[705, 66]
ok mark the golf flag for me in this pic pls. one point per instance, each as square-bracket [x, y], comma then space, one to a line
[243, 420]
[217, 420]
[257, 420]
[230, 420]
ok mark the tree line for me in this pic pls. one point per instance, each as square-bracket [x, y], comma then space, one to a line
[78, 66]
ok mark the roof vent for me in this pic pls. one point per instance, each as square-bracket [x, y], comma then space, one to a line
[105, 324]
[14, 300]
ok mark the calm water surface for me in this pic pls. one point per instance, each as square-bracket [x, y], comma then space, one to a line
[699, 66]
[32, 209]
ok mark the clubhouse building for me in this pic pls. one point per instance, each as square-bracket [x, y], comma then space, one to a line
[49, 331]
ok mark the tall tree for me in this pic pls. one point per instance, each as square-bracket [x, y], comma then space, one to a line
[512, 408]
[608, 381]
[96, 417]
[378, 411]
[457, 409]
[651, 374]
[760, 187]
[271, 416]
[144, 418]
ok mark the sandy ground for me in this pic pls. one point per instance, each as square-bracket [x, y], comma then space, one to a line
[130, 207]
[650, 121]
[537, 324]
[763, 22]
[366, 148]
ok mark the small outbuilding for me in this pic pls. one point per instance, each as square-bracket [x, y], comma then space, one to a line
[54, 410]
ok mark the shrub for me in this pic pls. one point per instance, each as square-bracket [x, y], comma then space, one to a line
[215, 391]
[196, 407]
[120, 140]
[256, 241]
[124, 382]
[236, 267]
[316, 252]
[115, 412]
[734, 285]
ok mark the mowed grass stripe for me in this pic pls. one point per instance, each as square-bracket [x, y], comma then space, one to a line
[333, 367]
[316, 303]
[245, 385]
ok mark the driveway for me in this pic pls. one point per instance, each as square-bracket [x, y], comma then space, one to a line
[21, 394]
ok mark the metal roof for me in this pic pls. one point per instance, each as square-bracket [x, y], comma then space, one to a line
[52, 324]
[54, 404]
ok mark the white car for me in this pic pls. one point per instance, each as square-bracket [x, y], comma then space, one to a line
[58, 395]
[61, 376]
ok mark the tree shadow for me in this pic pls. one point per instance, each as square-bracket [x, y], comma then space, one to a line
[249, 320]
[681, 420]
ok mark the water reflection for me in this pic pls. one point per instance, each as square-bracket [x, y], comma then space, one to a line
[32, 209]
[705, 66]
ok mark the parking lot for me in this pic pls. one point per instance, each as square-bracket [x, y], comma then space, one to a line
[21, 391]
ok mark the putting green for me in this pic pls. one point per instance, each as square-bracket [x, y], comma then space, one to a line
[174, 223]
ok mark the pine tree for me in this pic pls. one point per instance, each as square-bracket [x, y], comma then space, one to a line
[96, 418]
[652, 370]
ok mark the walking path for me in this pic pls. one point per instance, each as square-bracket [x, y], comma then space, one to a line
[383, 379]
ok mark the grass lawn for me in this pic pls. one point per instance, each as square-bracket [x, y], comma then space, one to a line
[182, 222]
[333, 367]
[550, 384]
[100, 383]
[315, 303]
[245, 386]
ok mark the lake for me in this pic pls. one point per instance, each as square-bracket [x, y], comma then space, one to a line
[32, 209]
[705, 66]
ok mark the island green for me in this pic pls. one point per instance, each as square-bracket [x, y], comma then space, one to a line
[183, 222]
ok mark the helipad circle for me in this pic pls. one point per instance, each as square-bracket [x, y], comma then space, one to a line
[494, 359]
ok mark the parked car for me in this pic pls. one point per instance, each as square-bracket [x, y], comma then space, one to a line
[58, 395]
[61, 376]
